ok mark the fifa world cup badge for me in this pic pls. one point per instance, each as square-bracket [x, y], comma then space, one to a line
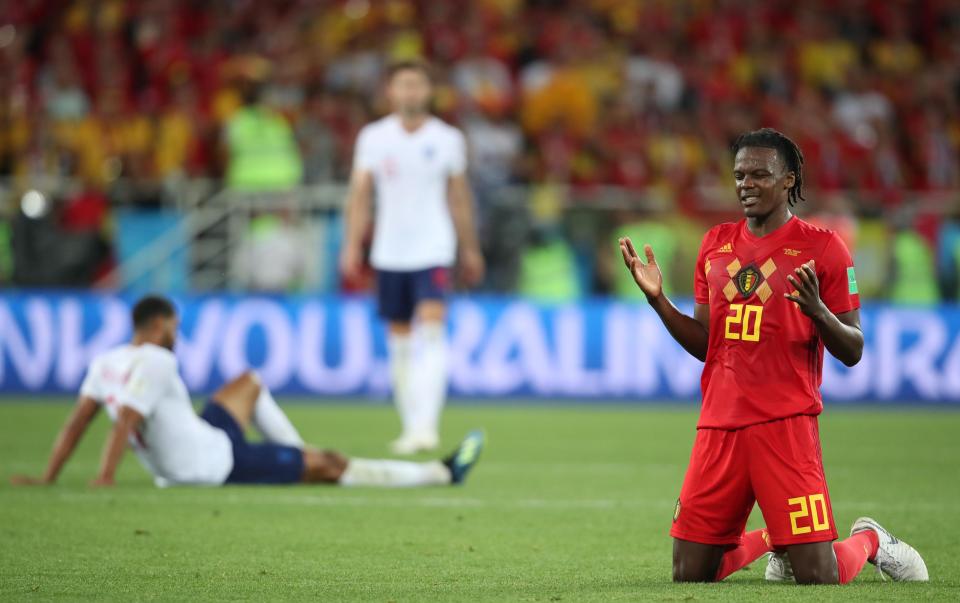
[676, 511]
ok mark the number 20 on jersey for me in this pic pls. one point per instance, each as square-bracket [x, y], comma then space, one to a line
[743, 323]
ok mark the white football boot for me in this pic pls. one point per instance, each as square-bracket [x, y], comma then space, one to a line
[778, 567]
[894, 558]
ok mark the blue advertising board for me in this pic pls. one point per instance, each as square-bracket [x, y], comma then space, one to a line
[328, 347]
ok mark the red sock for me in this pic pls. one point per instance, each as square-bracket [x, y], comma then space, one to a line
[752, 545]
[853, 553]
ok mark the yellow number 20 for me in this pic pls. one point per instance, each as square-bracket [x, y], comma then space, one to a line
[816, 511]
[748, 319]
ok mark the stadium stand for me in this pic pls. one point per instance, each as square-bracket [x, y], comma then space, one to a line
[594, 109]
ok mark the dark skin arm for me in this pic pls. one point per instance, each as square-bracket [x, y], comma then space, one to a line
[127, 421]
[78, 422]
[693, 333]
[841, 333]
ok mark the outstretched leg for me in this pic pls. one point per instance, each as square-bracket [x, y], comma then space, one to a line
[332, 467]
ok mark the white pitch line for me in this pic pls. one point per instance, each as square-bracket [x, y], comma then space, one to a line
[232, 498]
[229, 497]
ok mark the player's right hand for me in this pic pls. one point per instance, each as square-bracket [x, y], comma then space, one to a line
[27, 480]
[647, 276]
[351, 262]
[472, 266]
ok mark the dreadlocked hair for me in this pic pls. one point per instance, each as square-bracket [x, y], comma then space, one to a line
[788, 151]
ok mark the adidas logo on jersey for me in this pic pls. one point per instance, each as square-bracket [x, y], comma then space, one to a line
[727, 248]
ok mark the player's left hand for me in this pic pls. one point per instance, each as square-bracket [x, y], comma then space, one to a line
[472, 266]
[102, 482]
[807, 295]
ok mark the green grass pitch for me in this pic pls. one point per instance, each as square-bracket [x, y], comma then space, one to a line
[568, 504]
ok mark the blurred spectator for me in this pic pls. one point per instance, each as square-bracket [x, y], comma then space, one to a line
[824, 56]
[653, 79]
[948, 256]
[858, 110]
[495, 145]
[132, 97]
[548, 268]
[182, 145]
[483, 81]
[317, 139]
[271, 257]
[262, 153]
[912, 275]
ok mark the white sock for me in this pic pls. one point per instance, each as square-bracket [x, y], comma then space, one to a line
[400, 352]
[394, 474]
[272, 423]
[430, 378]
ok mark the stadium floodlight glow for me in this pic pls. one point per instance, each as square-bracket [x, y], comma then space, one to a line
[34, 204]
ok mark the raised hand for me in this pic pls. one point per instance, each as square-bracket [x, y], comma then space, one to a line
[472, 266]
[647, 276]
[351, 262]
[807, 295]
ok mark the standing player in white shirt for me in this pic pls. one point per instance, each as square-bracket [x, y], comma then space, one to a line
[143, 393]
[415, 165]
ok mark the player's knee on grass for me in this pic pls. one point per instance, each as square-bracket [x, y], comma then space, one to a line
[814, 563]
[323, 465]
[695, 562]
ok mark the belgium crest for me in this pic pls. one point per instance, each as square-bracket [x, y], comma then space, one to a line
[747, 280]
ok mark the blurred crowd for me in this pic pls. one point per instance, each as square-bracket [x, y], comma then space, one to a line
[643, 95]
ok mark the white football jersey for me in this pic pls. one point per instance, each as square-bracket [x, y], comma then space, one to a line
[413, 228]
[173, 443]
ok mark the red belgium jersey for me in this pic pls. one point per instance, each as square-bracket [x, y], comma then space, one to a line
[765, 358]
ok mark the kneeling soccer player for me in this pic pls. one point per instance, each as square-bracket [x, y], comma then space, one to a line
[771, 292]
[143, 393]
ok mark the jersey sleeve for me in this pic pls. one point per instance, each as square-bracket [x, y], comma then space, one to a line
[701, 289]
[91, 386]
[147, 383]
[458, 154]
[363, 154]
[838, 281]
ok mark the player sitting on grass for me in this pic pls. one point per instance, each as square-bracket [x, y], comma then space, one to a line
[143, 393]
[771, 292]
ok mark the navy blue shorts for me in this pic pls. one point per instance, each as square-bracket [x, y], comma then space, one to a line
[255, 463]
[399, 293]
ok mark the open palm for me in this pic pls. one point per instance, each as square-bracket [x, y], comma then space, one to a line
[647, 276]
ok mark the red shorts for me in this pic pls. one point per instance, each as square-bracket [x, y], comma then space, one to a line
[777, 465]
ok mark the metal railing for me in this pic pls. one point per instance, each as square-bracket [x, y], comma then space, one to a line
[214, 221]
